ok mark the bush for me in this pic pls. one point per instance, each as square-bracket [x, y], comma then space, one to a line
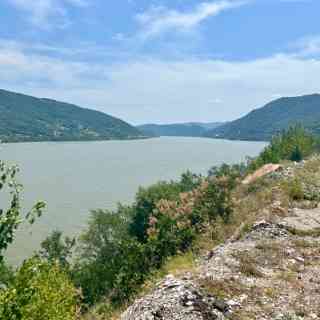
[147, 198]
[104, 246]
[39, 291]
[6, 275]
[10, 219]
[55, 249]
[295, 190]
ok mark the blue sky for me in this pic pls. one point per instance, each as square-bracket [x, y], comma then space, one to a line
[164, 60]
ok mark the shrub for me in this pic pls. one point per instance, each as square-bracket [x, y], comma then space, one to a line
[147, 198]
[10, 219]
[294, 189]
[39, 291]
[55, 249]
[6, 275]
[103, 250]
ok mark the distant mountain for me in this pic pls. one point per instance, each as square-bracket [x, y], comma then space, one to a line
[261, 124]
[26, 118]
[190, 129]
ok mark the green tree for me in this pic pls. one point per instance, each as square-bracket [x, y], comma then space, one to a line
[146, 200]
[6, 275]
[296, 154]
[10, 218]
[103, 251]
[40, 291]
[56, 249]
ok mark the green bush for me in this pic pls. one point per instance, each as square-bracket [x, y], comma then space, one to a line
[39, 291]
[6, 274]
[56, 249]
[10, 218]
[147, 198]
[104, 246]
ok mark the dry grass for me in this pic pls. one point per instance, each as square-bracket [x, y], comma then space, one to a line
[223, 289]
[247, 264]
[315, 233]
[304, 244]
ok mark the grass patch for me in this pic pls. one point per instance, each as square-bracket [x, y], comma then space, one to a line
[247, 265]
[315, 233]
[288, 276]
[223, 289]
[304, 244]
[265, 245]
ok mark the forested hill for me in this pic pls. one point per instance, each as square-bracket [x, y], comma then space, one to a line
[263, 123]
[192, 129]
[26, 118]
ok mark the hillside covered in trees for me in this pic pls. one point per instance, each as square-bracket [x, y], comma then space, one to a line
[26, 118]
[261, 124]
[190, 129]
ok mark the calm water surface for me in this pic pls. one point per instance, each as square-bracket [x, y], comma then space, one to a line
[74, 178]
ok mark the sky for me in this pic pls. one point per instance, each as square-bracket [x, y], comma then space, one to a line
[161, 61]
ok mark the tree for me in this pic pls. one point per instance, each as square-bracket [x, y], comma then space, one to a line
[39, 291]
[10, 218]
[102, 253]
[296, 154]
[56, 249]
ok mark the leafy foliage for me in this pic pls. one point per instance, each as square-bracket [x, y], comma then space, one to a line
[55, 249]
[10, 218]
[39, 291]
[6, 275]
[103, 251]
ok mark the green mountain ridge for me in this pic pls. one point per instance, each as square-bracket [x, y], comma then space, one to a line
[189, 129]
[25, 118]
[261, 124]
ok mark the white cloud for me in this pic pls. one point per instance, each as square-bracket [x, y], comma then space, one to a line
[147, 90]
[158, 20]
[308, 46]
[41, 12]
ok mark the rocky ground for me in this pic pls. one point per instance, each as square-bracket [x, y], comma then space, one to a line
[272, 271]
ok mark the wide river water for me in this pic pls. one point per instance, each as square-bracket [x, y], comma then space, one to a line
[74, 178]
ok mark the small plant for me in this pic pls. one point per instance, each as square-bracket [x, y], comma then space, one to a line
[294, 189]
[246, 229]
[271, 292]
[287, 276]
[223, 289]
[39, 291]
[247, 265]
[268, 246]
[302, 243]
